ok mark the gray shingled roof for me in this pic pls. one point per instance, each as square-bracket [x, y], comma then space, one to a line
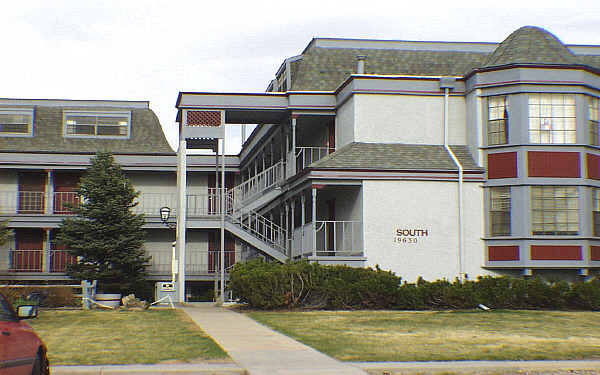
[531, 45]
[395, 156]
[325, 68]
[146, 134]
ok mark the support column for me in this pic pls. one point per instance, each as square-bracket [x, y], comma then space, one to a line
[294, 171]
[302, 221]
[223, 208]
[47, 250]
[287, 226]
[292, 224]
[49, 210]
[181, 218]
[314, 222]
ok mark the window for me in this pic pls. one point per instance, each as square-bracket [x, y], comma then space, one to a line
[95, 124]
[16, 122]
[554, 210]
[594, 121]
[552, 118]
[596, 211]
[497, 132]
[500, 211]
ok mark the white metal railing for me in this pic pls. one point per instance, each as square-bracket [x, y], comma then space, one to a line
[198, 262]
[60, 259]
[259, 226]
[64, 201]
[31, 202]
[197, 204]
[302, 241]
[266, 179]
[335, 238]
[305, 156]
[26, 260]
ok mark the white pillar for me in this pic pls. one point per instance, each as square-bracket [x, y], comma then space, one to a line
[47, 250]
[314, 222]
[181, 218]
[223, 208]
[292, 229]
[49, 192]
[303, 221]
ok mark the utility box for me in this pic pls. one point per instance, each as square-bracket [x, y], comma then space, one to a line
[164, 289]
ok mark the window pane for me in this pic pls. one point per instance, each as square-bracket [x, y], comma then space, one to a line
[97, 124]
[554, 210]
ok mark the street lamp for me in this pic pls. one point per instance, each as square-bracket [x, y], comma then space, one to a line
[165, 214]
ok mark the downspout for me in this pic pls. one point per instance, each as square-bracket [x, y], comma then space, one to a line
[447, 84]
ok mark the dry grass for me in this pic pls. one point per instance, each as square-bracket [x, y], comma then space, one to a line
[123, 337]
[440, 336]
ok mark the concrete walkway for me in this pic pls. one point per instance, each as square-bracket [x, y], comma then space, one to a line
[260, 350]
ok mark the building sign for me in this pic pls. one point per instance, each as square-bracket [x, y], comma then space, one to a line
[410, 236]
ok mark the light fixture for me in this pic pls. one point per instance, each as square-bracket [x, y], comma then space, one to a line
[165, 214]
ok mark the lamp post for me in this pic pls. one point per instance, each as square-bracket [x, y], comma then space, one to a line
[165, 214]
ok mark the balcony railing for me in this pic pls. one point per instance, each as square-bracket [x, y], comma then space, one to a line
[31, 202]
[26, 260]
[339, 238]
[305, 156]
[266, 179]
[198, 262]
[60, 259]
[333, 238]
[64, 201]
[33, 260]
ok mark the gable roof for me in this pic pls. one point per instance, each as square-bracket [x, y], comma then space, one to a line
[396, 156]
[146, 135]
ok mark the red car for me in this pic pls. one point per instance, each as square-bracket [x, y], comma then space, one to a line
[21, 350]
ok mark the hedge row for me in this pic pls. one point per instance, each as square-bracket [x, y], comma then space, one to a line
[49, 296]
[309, 285]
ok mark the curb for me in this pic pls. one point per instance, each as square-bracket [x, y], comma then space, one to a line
[179, 369]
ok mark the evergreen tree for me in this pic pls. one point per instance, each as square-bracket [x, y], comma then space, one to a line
[105, 235]
[5, 232]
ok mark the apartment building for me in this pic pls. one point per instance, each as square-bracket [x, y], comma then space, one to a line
[432, 159]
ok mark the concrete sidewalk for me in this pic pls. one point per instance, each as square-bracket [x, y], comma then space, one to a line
[260, 350]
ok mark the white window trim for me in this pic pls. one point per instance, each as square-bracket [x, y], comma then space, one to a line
[97, 113]
[19, 111]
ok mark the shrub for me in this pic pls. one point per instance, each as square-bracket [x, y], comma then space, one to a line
[50, 296]
[309, 285]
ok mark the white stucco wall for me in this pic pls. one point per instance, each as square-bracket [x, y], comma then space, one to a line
[344, 124]
[408, 119]
[424, 205]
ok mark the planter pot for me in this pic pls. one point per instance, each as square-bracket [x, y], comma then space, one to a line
[112, 300]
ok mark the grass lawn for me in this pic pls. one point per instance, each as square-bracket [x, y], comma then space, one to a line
[440, 336]
[123, 337]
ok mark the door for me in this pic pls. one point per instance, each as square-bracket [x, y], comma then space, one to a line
[65, 196]
[32, 189]
[29, 250]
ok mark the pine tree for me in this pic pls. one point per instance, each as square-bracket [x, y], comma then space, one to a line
[105, 235]
[5, 232]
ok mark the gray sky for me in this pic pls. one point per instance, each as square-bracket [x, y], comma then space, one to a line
[151, 50]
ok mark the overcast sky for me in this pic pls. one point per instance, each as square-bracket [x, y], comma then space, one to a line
[151, 50]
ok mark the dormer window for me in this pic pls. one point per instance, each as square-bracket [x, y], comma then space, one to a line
[16, 122]
[97, 124]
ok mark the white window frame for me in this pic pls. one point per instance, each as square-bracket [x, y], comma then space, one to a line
[553, 213]
[497, 104]
[594, 120]
[126, 114]
[549, 120]
[19, 111]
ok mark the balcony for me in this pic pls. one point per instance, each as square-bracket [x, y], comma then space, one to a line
[198, 262]
[34, 260]
[305, 156]
[330, 239]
